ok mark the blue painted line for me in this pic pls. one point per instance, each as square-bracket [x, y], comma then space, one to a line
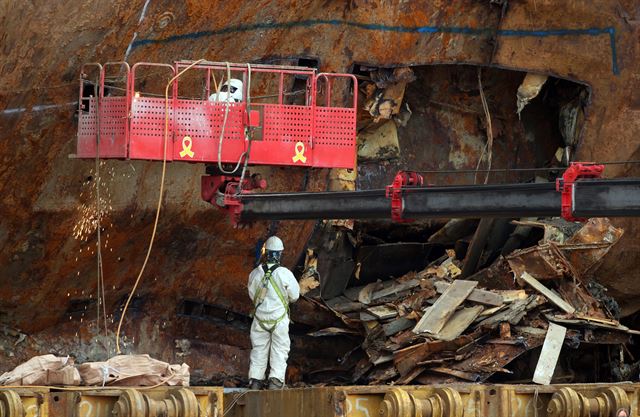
[541, 33]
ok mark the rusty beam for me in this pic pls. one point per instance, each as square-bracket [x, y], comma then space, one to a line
[448, 400]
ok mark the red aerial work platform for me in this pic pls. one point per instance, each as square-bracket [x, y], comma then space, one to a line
[316, 134]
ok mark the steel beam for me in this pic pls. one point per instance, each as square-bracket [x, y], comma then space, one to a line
[370, 204]
[592, 198]
[611, 198]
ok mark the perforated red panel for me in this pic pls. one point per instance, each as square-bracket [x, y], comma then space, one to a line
[113, 127]
[200, 122]
[87, 131]
[285, 135]
[146, 134]
[334, 143]
[285, 128]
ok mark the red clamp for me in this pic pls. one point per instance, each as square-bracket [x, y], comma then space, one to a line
[564, 185]
[222, 191]
[395, 190]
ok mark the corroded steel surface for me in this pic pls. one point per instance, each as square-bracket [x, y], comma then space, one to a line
[48, 276]
[100, 402]
[452, 400]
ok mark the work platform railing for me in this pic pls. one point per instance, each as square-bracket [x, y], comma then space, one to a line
[318, 132]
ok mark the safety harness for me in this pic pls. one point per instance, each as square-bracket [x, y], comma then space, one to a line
[270, 325]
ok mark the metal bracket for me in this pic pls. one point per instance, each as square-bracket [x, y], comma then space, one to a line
[395, 191]
[564, 185]
[222, 191]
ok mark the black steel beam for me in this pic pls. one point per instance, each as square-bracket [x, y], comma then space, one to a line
[370, 204]
[508, 200]
[607, 198]
[592, 198]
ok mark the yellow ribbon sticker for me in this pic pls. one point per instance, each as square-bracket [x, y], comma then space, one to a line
[186, 147]
[299, 156]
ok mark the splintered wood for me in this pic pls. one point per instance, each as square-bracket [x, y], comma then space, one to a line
[551, 296]
[458, 323]
[445, 306]
[550, 354]
[478, 296]
[428, 327]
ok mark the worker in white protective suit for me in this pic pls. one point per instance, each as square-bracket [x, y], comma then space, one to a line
[230, 90]
[271, 288]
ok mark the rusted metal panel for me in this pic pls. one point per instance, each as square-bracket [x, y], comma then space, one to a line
[586, 249]
[197, 254]
[453, 400]
[543, 261]
[25, 402]
[107, 402]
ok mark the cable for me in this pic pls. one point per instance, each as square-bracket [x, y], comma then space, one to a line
[100, 286]
[541, 169]
[489, 145]
[473, 171]
[155, 223]
[248, 133]
[617, 162]
[224, 125]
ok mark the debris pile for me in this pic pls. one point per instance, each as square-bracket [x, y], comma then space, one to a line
[433, 326]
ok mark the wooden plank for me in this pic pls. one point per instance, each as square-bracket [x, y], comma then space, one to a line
[397, 325]
[333, 302]
[383, 312]
[342, 304]
[514, 313]
[534, 331]
[549, 354]
[348, 307]
[367, 292]
[434, 320]
[490, 311]
[509, 296]
[551, 296]
[613, 323]
[477, 296]
[407, 359]
[581, 321]
[352, 293]
[366, 316]
[332, 331]
[458, 323]
[396, 288]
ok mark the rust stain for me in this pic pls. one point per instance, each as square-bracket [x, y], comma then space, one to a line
[198, 255]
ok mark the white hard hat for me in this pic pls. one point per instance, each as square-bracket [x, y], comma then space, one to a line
[274, 244]
[230, 90]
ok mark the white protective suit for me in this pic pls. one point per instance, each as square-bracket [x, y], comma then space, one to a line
[271, 347]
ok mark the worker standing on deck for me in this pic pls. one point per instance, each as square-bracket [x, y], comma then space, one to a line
[271, 288]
